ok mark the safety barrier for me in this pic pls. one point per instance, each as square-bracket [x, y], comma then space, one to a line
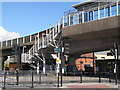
[34, 79]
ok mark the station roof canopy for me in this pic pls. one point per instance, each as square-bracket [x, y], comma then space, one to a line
[82, 4]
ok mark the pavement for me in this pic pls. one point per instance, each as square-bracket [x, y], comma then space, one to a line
[70, 85]
[66, 85]
[90, 85]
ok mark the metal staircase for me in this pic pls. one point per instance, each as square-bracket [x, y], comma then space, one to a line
[42, 41]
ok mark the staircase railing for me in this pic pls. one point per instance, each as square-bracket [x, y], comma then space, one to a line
[42, 40]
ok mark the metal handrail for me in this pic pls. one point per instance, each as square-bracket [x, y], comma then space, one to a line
[42, 42]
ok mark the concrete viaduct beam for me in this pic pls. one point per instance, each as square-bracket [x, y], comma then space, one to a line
[92, 36]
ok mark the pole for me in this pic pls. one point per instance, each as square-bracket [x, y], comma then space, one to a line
[32, 80]
[17, 77]
[116, 59]
[61, 75]
[116, 66]
[81, 73]
[99, 76]
[38, 68]
[93, 62]
[110, 76]
[58, 64]
[58, 80]
[4, 86]
[43, 63]
[40, 77]
[81, 76]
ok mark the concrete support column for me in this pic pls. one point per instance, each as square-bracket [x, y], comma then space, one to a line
[2, 59]
[1, 63]
[6, 43]
[17, 41]
[71, 62]
[44, 70]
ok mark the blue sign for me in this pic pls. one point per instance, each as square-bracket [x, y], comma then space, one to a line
[56, 50]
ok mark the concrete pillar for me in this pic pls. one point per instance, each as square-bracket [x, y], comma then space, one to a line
[71, 62]
[0, 63]
[2, 59]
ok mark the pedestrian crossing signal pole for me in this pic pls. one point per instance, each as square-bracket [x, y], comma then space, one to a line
[116, 60]
[58, 61]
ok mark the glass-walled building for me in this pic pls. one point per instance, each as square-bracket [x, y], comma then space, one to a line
[89, 11]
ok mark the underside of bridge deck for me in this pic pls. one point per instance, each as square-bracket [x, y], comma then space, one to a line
[92, 36]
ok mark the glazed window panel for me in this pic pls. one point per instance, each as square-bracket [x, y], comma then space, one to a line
[66, 20]
[75, 19]
[119, 8]
[9, 43]
[14, 41]
[114, 10]
[71, 20]
[90, 16]
[95, 14]
[80, 18]
[102, 13]
[4, 43]
[107, 11]
[85, 16]
[20, 41]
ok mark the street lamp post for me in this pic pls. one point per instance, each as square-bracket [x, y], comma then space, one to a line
[116, 46]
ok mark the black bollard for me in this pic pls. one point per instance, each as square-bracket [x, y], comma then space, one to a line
[61, 80]
[32, 80]
[40, 77]
[58, 80]
[17, 77]
[4, 83]
[109, 77]
[99, 77]
[81, 76]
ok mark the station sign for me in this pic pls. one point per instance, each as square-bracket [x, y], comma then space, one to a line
[58, 50]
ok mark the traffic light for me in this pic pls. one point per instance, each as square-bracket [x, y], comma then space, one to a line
[15, 50]
[66, 48]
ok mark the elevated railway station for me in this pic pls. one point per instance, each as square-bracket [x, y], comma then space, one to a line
[91, 27]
